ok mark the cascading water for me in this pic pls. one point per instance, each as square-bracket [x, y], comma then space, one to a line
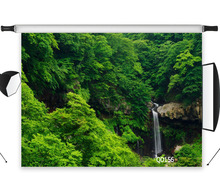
[138, 146]
[157, 135]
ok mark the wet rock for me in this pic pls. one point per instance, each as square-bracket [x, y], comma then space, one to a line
[179, 111]
[123, 106]
[150, 105]
[172, 111]
[177, 148]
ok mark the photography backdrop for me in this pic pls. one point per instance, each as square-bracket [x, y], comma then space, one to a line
[14, 178]
[112, 99]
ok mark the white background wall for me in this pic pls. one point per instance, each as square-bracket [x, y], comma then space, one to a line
[13, 178]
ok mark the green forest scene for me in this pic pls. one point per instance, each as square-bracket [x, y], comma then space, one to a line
[111, 100]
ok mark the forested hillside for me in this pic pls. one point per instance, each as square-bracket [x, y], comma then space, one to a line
[86, 98]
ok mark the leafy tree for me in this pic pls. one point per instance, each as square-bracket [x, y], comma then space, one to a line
[38, 61]
[39, 146]
[182, 81]
[48, 150]
[189, 156]
[152, 162]
[110, 79]
[79, 126]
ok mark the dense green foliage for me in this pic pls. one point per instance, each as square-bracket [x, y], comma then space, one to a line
[84, 96]
[71, 136]
[190, 155]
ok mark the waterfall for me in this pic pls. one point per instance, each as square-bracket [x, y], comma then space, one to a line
[138, 146]
[157, 135]
[116, 130]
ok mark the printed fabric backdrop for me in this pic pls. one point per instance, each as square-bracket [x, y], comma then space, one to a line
[112, 99]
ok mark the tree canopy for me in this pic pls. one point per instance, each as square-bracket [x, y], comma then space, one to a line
[85, 95]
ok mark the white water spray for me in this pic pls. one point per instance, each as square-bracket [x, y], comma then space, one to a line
[157, 135]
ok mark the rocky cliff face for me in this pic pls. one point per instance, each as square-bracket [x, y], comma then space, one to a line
[179, 111]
